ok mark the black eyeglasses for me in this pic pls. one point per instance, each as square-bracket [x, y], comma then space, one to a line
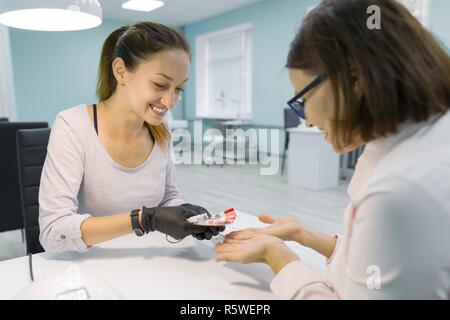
[297, 104]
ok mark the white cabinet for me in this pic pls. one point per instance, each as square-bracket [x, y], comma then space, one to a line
[312, 163]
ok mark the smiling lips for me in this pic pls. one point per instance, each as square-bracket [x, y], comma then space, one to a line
[159, 111]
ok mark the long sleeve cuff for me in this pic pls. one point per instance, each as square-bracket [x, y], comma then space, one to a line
[338, 242]
[293, 278]
[172, 202]
[75, 237]
[65, 234]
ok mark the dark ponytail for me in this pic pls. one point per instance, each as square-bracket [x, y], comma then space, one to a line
[106, 84]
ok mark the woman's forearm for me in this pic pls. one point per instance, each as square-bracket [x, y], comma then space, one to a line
[95, 230]
[279, 256]
[316, 240]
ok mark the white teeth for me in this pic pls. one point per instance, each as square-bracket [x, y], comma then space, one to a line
[159, 110]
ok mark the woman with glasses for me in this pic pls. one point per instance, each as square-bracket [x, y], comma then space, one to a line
[389, 89]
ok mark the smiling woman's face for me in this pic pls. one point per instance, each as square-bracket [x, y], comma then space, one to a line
[320, 107]
[156, 85]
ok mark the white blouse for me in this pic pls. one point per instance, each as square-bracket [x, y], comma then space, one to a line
[396, 243]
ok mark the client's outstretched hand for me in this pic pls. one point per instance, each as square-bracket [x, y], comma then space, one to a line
[260, 248]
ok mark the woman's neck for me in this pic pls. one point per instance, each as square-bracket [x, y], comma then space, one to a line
[119, 120]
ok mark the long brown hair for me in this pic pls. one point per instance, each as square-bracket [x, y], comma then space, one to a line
[134, 45]
[403, 71]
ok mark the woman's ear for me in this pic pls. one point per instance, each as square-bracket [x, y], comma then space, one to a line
[119, 70]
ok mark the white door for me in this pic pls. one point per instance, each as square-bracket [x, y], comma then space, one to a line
[225, 69]
[225, 98]
[223, 74]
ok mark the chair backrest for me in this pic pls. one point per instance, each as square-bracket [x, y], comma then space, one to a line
[291, 120]
[10, 210]
[3, 119]
[31, 153]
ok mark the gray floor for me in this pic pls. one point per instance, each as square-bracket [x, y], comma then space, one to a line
[241, 187]
[11, 245]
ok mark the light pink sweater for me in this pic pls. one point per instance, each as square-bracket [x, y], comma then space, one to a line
[396, 243]
[80, 179]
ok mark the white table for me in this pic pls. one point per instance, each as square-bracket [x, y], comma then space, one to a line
[152, 268]
[312, 163]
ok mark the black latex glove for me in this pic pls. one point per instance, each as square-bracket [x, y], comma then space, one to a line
[211, 231]
[171, 221]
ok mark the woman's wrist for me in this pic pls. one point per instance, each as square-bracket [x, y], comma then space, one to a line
[277, 256]
[316, 240]
[302, 236]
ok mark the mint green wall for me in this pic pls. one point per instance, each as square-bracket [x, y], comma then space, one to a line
[274, 25]
[55, 70]
[440, 22]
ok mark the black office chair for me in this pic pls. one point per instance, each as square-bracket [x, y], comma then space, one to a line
[291, 120]
[4, 119]
[10, 208]
[31, 153]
